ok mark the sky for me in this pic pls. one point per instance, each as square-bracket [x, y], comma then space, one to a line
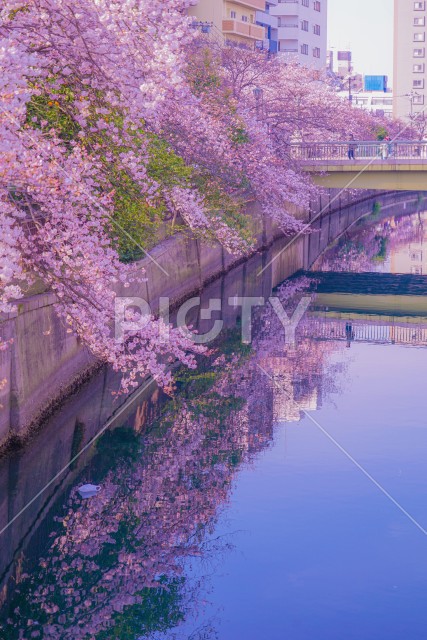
[365, 27]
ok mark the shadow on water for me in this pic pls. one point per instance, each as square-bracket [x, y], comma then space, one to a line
[114, 566]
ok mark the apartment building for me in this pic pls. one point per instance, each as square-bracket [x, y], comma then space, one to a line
[301, 31]
[410, 73]
[236, 20]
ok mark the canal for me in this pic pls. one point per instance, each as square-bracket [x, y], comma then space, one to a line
[282, 491]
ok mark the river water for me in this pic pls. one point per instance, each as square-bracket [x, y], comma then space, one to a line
[282, 492]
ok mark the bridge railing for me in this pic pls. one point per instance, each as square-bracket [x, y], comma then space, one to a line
[362, 150]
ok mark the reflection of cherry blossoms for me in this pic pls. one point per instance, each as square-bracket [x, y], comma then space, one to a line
[299, 373]
[122, 550]
[116, 564]
[406, 229]
[280, 379]
[354, 252]
[369, 245]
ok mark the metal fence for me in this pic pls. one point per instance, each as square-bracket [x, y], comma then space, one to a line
[360, 150]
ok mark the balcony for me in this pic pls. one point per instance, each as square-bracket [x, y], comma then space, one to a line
[243, 29]
[267, 19]
[251, 4]
[289, 10]
[288, 32]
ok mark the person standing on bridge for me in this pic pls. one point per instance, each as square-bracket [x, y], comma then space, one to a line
[352, 148]
[384, 149]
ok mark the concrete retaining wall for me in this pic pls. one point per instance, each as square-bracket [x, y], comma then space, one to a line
[45, 363]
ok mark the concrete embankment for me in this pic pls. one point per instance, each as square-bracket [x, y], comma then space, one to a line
[45, 363]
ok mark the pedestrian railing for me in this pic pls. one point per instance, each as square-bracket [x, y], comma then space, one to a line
[354, 149]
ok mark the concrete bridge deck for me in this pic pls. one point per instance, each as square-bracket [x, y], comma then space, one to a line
[368, 282]
[393, 175]
[397, 166]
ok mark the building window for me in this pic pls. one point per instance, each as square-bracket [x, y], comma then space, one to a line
[304, 25]
[304, 49]
[316, 29]
[419, 6]
[419, 37]
[244, 18]
[418, 68]
[419, 53]
[418, 84]
[417, 271]
[418, 99]
[305, 3]
[232, 14]
[419, 22]
[316, 52]
[316, 5]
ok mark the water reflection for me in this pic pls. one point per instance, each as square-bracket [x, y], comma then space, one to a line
[114, 566]
[395, 244]
[117, 565]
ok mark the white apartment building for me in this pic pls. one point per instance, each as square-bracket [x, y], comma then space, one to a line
[410, 72]
[301, 31]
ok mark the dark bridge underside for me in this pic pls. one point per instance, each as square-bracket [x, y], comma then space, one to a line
[368, 283]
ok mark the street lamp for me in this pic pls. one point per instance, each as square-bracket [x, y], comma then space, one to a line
[351, 76]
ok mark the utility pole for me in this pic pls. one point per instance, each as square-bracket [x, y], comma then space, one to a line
[350, 79]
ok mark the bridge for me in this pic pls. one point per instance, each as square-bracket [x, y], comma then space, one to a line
[394, 166]
[368, 282]
[383, 308]
[372, 329]
[382, 294]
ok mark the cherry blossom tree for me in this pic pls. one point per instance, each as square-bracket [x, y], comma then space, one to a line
[56, 199]
[88, 90]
